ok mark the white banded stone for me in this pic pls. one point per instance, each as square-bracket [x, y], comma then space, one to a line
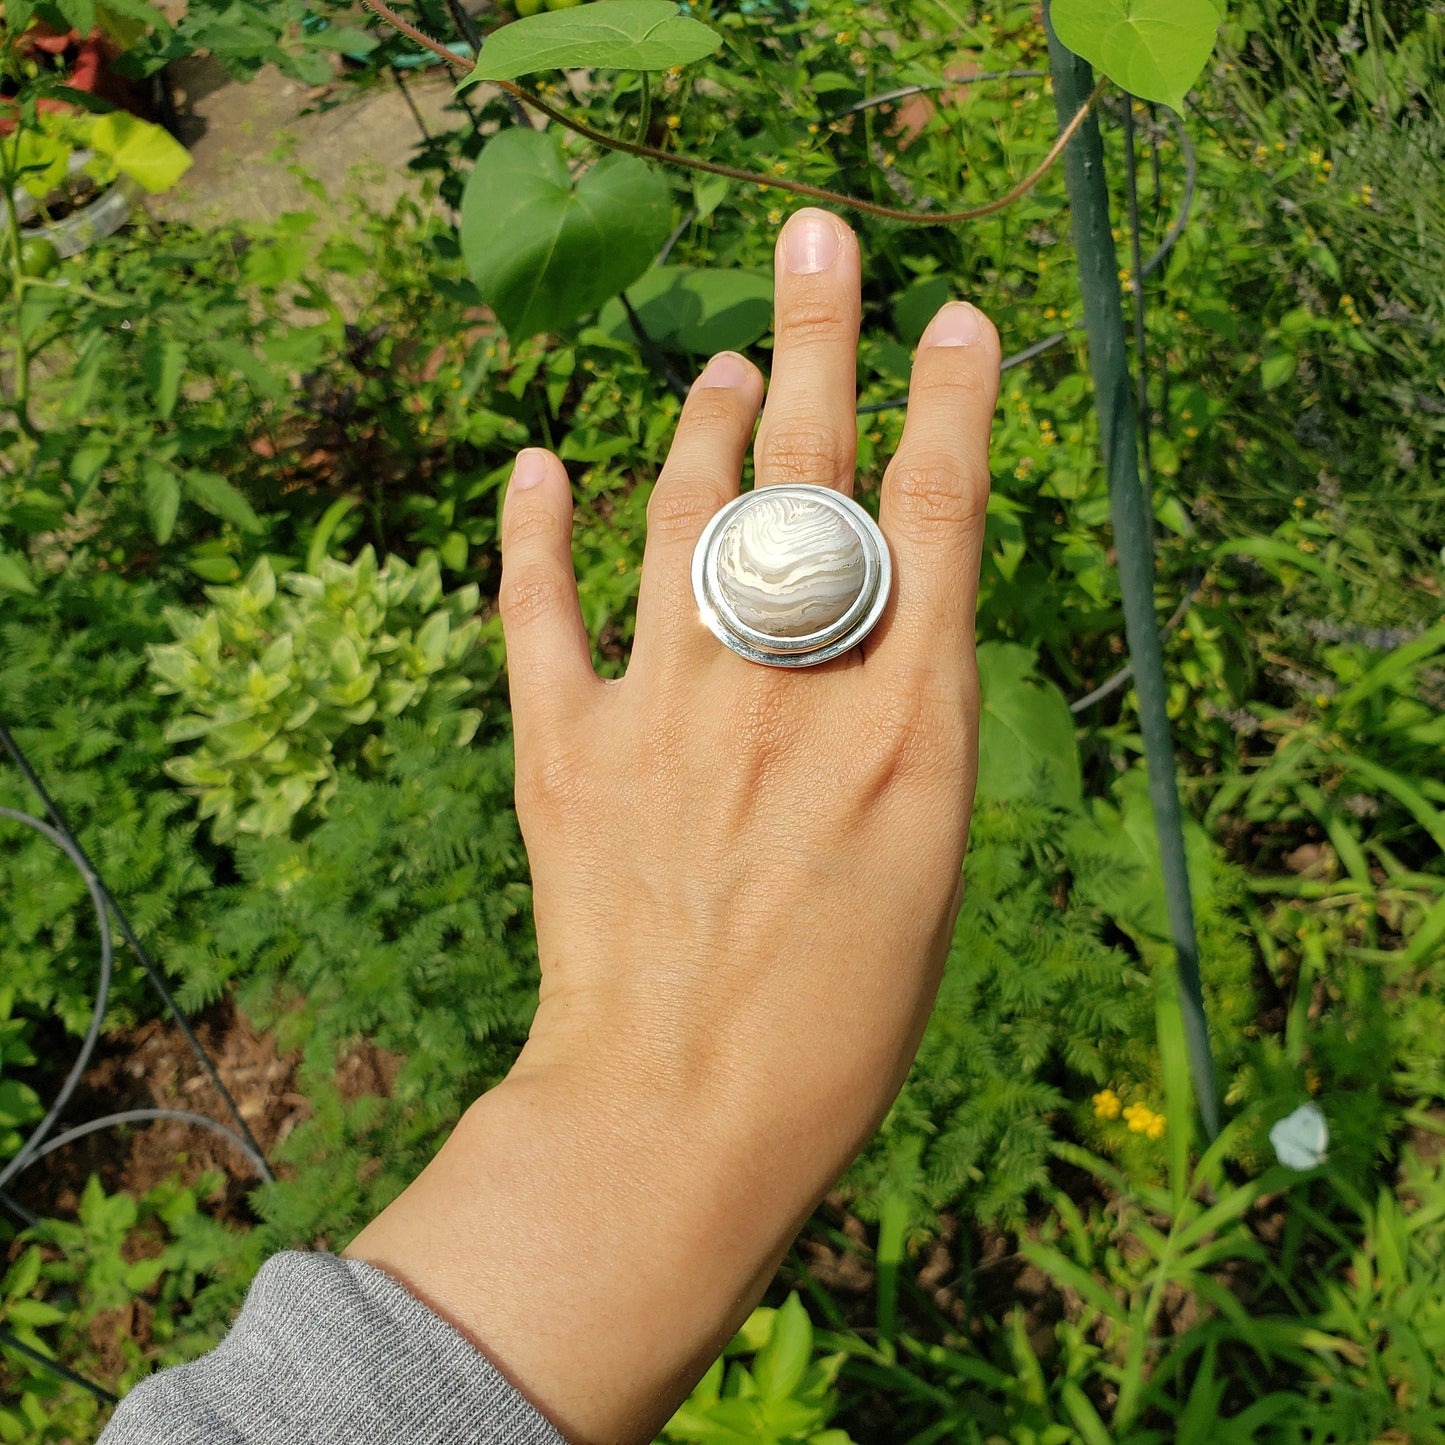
[788, 565]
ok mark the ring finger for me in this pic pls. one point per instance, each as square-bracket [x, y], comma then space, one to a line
[809, 430]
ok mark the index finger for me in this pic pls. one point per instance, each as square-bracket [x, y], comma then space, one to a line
[935, 492]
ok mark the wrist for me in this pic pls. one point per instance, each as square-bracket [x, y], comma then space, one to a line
[598, 1240]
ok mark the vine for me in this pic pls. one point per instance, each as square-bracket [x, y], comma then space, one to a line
[736, 173]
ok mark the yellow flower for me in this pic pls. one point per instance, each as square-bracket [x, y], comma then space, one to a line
[1139, 1117]
[673, 121]
[1106, 1104]
[780, 168]
[1156, 1127]
[812, 127]
[774, 216]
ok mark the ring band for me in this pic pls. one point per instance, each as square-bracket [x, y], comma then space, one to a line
[791, 575]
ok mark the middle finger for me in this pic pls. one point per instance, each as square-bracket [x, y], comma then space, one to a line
[809, 430]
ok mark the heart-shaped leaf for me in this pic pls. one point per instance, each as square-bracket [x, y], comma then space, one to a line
[611, 34]
[545, 250]
[695, 309]
[1156, 49]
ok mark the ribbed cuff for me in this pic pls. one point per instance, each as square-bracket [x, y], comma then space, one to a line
[330, 1350]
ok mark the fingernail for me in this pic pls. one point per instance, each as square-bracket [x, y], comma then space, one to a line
[958, 324]
[529, 469]
[727, 368]
[810, 242]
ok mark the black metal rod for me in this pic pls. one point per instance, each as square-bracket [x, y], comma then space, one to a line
[1114, 400]
[153, 972]
[9, 1342]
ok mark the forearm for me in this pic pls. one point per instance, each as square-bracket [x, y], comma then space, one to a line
[599, 1254]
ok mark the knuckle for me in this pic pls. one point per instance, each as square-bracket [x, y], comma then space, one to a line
[951, 383]
[937, 489]
[529, 593]
[716, 408]
[527, 524]
[803, 452]
[676, 511]
[815, 316]
[554, 785]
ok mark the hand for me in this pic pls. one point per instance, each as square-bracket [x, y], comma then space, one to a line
[745, 881]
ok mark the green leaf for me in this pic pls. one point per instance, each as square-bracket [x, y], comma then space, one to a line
[221, 499]
[1276, 369]
[543, 250]
[164, 367]
[80, 13]
[150, 156]
[708, 193]
[14, 574]
[783, 1361]
[618, 35]
[695, 309]
[163, 500]
[34, 1313]
[1026, 743]
[1156, 49]
[1129, 883]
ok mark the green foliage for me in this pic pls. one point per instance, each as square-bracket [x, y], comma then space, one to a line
[402, 918]
[1026, 740]
[278, 685]
[786, 1398]
[1034, 1010]
[72, 691]
[1154, 48]
[624, 35]
[299, 389]
[155, 1256]
[544, 249]
[19, 1104]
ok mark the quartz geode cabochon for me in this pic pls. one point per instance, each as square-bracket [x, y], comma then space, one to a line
[789, 565]
[791, 575]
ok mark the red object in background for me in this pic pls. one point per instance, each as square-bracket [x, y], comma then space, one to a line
[87, 60]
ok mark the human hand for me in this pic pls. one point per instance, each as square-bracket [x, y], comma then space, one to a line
[745, 881]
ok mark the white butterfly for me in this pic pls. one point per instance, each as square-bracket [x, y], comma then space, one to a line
[1301, 1139]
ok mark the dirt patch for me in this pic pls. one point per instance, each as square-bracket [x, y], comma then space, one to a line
[152, 1066]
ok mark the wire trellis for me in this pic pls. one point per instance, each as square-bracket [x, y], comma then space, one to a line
[39, 1144]
[54, 827]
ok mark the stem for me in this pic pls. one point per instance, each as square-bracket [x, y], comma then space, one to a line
[644, 120]
[1114, 400]
[797, 188]
[21, 400]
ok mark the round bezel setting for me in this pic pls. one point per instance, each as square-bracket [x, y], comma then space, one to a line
[811, 648]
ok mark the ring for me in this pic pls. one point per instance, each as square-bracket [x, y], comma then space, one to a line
[791, 575]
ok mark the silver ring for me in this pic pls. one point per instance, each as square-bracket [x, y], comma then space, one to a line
[791, 575]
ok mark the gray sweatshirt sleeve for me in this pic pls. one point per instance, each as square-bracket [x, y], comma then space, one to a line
[331, 1350]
